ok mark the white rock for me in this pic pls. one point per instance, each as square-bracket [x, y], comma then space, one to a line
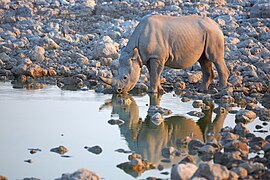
[183, 171]
[157, 118]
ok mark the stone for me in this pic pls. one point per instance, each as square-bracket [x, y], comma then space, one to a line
[194, 78]
[106, 48]
[94, 149]
[206, 150]
[183, 171]
[266, 100]
[196, 113]
[237, 145]
[240, 129]
[266, 147]
[49, 44]
[3, 177]
[212, 171]
[245, 116]
[37, 54]
[198, 104]
[240, 171]
[80, 174]
[60, 150]
[157, 118]
[194, 145]
[260, 10]
[167, 151]
[36, 71]
[252, 167]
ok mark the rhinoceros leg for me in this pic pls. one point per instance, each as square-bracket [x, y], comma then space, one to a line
[208, 73]
[155, 68]
[223, 73]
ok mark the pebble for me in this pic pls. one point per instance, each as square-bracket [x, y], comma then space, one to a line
[94, 149]
[60, 150]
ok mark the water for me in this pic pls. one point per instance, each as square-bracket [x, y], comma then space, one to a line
[51, 117]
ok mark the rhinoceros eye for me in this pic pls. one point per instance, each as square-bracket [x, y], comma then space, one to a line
[125, 77]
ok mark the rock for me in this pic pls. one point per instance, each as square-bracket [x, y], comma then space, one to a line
[252, 167]
[212, 171]
[49, 44]
[157, 119]
[106, 48]
[116, 122]
[36, 71]
[266, 100]
[207, 150]
[266, 148]
[80, 174]
[237, 145]
[3, 178]
[167, 151]
[34, 150]
[60, 150]
[196, 113]
[52, 72]
[70, 83]
[183, 171]
[37, 54]
[194, 145]
[260, 10]
[194, 78]
[198, 104]
[245, 116]
[240, 171]
[94, 149]
[240, 129]
[185, 99]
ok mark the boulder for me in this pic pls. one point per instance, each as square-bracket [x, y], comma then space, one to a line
[37, 53]
[80, 174]
[212, 171]
[183, 171]
[245, 116]
[106, 48]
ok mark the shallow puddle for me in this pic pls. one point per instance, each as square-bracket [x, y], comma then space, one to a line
[47, 118]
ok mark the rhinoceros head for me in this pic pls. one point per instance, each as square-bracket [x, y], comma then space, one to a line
[130, 65]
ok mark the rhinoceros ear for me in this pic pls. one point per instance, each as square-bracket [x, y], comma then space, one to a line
[136, 56]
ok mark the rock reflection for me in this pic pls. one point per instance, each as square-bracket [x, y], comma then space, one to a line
[148, 140]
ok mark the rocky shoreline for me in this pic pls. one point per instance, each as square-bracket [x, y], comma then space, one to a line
[71, 43]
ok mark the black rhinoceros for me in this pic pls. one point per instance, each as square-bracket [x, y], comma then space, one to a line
[176, 42]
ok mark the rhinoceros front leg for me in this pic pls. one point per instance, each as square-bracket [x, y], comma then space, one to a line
[155, 68]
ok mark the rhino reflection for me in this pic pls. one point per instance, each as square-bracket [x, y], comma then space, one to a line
[147, 139]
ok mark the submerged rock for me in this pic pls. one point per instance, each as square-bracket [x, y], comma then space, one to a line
[80, 174]
[60, 150]
[94, 149]
[157, 119]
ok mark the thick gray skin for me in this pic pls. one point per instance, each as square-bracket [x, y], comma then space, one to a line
[176, 42]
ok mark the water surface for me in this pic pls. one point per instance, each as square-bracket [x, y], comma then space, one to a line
[51, 117]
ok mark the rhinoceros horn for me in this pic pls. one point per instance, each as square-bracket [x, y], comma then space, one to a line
[106, 80]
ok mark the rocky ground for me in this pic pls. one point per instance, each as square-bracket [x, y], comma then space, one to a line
[70, 43]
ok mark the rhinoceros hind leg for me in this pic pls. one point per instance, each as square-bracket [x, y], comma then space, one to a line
[155, 68]
[208, 73]
[223, 73]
